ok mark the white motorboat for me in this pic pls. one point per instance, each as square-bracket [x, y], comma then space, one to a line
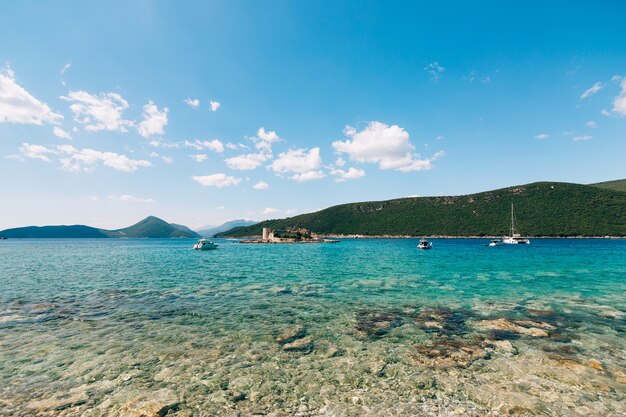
[515, 238]
[204, 244]
[495, 242]
[424, 244]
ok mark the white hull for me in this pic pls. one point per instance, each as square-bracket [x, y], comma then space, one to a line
[204, 245]
[515, 241]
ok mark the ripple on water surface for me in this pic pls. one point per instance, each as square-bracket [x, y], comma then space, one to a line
[364, 327]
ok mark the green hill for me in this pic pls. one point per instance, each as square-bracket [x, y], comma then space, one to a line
[148, 227]
[617, 185]
[156, 228]
[542, 209]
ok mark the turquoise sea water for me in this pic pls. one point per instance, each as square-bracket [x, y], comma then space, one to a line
[363, 327]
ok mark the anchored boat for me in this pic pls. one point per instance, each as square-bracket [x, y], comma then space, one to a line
[204, 244]
[515, 238]
[424, 244]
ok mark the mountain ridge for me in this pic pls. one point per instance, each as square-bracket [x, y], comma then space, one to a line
[617, 185]
[542, 209]
[212, 231]
[150, 227]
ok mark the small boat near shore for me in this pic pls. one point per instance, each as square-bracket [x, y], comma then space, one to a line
[204, 244]
[495, 242]
[425, 244]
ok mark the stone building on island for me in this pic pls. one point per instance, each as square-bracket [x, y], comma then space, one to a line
[287, 235]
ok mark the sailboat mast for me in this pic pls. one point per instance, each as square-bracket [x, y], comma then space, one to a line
[512, 224]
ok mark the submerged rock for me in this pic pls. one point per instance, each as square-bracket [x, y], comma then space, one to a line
[520, 327]
[152, 404]
[595, 364]
[446, 353]
[377, 323]
[59, 404]
[290, 334]
[299, 345]
[503, 346]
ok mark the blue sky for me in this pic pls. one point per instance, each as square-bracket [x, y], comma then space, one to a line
[201, 112]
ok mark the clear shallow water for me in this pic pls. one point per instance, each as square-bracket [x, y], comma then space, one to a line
[363, 327]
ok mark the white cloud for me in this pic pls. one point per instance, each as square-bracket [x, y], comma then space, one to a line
[261, 185]
[165, 145]
[542, 136]
[60, 133]
[297, 161]
[65, 68]
[582, 138]
[167, 159]
[214, 145]
[92, 198]
[270, 210]
[16, 157]
[214, 105]
[264, 140]
[263, 143]
[592, 90]
[77, 160]
[591, 124]
[126, 198]
[18, 106]
[388, 146]
[308, 176]
[301, 164]
[246, 161]
[474, 76]
[36, 152]
[216, 180]
[235, 146]
[192, 102]
[199, 157]
[605, 112]
[99, 112]
[435, 70]
[340, 162]
[619, 103]
[351, 174]
[154, 121]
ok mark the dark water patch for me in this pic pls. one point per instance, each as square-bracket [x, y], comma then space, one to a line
[443, 321]
[563, 350]
[503, 335]
[559, 338]
[376, 324]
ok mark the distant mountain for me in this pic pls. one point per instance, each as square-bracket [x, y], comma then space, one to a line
[54, 232]
[617, 185]
[542, 209]
[210, 232]
[151, 227]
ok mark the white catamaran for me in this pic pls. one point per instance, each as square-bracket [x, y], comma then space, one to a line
[515, 238]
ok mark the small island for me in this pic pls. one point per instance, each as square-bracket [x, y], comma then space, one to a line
[289, 235]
